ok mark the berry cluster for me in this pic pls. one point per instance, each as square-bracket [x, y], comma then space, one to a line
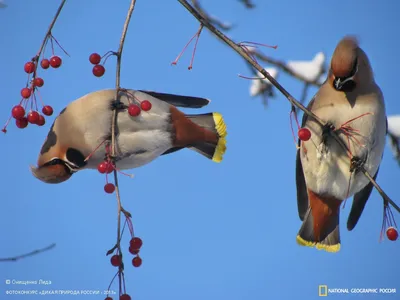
[134, 110]
[134, 247]
[27, 111]
[98, 69]
[106, 167]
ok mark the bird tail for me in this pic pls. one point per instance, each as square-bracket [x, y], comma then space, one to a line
[215, 123]
[320, 227]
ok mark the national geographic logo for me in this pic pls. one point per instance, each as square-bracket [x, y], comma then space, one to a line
[324, 291]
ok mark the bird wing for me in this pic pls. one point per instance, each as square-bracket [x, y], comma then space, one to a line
[178, 100]
[302, 195]
[359, 201]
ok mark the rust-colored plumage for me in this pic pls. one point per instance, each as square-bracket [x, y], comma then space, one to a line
[323, 208]
[187, 132]
[344, 57]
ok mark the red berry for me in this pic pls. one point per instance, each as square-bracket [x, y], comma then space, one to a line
[108, 298]
[33, 117]
[26, 93]
[18, 112]
[47, 110]
[392, 233]
[145, 105]
[133, 251]
[98, 70]
[125, 297]
[21, 123]
[29, 67]
[41, 121]
[45, 63]
[4, 130]
[137, 261]
[109, 188]
[105, 167]
[136, 243]
[102, 167]
[38, 82]
[55, 61]
[95, 58]
[304, 134]
[115, 260]
[134, 110]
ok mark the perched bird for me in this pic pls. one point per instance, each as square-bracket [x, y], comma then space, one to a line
[86, 122]
[352, 104]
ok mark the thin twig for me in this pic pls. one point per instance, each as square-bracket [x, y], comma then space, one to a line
[291, 99]
[48, 33]
[15, 258]
[113, 133]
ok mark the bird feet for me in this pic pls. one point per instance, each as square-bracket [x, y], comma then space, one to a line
[356, 164]
[118, 105]
[326, 131]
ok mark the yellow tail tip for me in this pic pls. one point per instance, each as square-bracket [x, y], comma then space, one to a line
[220, 126]
[219, 150]
[319, 246]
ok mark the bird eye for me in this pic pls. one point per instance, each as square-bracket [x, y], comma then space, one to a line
[75, 157]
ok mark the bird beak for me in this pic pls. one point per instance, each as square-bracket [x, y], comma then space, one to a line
[52, 173]
[339, 83]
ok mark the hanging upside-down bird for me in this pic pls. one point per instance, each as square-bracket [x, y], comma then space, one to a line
[352, 104]
[86, 122]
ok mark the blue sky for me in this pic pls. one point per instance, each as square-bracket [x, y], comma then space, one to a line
[210, 231]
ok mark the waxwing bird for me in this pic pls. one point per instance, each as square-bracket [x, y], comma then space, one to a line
[86, 123]
[352, 104]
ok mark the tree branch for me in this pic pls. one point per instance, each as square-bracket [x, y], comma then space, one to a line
[15, 258]
[291, 99]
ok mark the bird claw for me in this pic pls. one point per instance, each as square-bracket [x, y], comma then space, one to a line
[356, 164]
[118, 105]
[327, 129]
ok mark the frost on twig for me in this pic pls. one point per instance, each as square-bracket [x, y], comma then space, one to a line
[394, 135]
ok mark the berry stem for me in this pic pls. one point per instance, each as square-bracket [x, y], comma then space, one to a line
[53, 38]
[184, 48]
[48, 33]
[195, 46]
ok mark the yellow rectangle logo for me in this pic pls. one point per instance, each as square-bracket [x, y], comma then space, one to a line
[322, 290]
